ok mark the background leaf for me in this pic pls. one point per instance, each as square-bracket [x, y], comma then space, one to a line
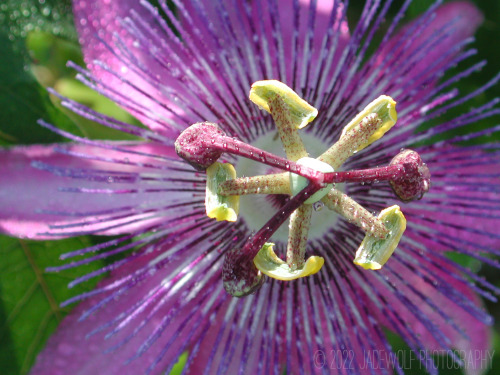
[29, 306]
[22, 99]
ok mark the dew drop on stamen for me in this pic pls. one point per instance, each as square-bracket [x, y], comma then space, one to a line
[318, 206]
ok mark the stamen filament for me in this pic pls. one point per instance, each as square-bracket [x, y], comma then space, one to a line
[300, 220]
[267, 184]
[353, 212]
[351, 141]
[288, 131]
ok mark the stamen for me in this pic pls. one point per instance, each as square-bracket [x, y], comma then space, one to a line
[355, 213]
[369, 125]
[239, 274]
[287, 129]
[271, 265]
[267, 184]
[218, 206]
[385, 107]
[300, 220]
[349, 143]
[301, 112]
[374, 252]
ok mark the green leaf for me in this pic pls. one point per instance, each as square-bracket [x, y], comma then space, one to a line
[22, 99]
[29, 307]
[24, 16]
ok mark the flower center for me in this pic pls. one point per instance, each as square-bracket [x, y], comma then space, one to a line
[309, 183]
[254, 207]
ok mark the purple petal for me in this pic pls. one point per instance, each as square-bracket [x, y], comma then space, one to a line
[44, 188]
[103, 31]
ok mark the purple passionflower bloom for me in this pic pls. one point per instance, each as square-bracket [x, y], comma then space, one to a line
[166, 295]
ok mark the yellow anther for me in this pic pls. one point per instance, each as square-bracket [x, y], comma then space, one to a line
[271, 265]
[385, 108]
[218, 206]
[374, 252]
[301, 112]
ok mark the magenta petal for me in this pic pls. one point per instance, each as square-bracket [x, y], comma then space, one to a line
[33, 199]
[102, 31]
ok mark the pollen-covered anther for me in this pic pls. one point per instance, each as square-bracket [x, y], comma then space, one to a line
[270, 264]
[369, 125]
[374, 252]
[300, 112]
[220, 207]
[194, 144]
[415, 180]
[385, 109]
